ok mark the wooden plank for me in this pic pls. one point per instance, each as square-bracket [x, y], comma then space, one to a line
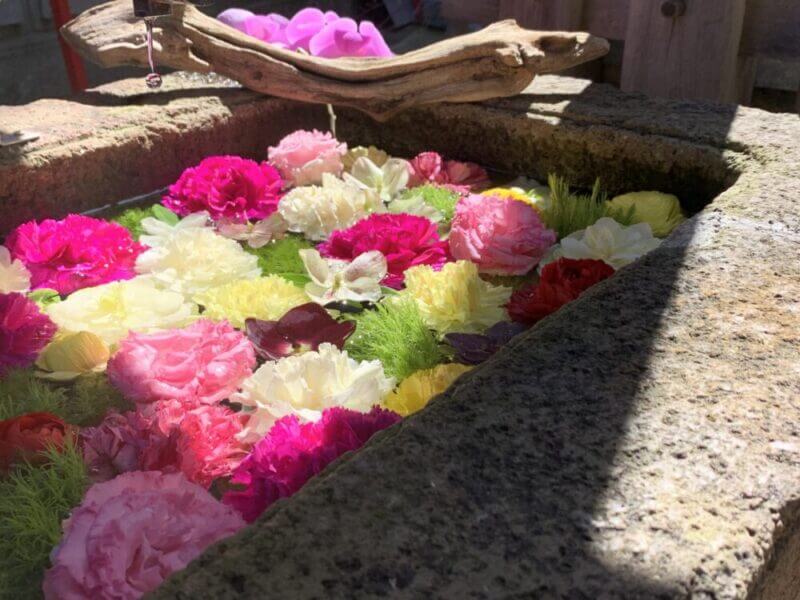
[471, 11]
[544, 14]
[606, 18]
[772, 28]
[691, 56]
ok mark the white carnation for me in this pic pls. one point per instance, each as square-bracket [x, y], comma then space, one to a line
[14, 276]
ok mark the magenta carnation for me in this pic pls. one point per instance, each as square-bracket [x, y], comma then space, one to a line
[405, 240]
[303, 157]
[24, 331]
[430, 167]
[502, 236]
[226, 186]
[200, 364]
[74, 253]
[292, 453]
[129, 534]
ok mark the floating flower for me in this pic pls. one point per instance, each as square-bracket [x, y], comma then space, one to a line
[158, 233]
[129, 534]
[74, 253]
[474, 348]
[318, 211]
[266, 298]
[533, 198]
[110, 311]
[303, 157]
[257, 235]
[235, 17]
[14, 276]
[561, 282]
[307, 384]
[386, 181]
[338, 280]
[404, 240]
[344, 37]
[195, 260]
[608, 241]
[293, 452]
[208, 444]
[501, 236]
[305, 24]
[661, 211]
[375, 155]
[302, 329]
[203, 363]
[430, 167]
[226, 186]
[456, 299]
[24, 438]
[269, 28]
[72, 355]
[24, 331]
[414, 393]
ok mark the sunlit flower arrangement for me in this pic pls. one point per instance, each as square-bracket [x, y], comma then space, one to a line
[262, 320]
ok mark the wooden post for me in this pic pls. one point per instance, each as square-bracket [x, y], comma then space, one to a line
[562, 15]
[692, 54]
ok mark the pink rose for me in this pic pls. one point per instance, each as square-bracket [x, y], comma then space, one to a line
[303, 157]
[502, 236]
[200, 364]
[74, 253]
[227, 187]
[235, 17]
[268, 28]
[24, 331]
[131, 533]
[430, 167]
[427, 167]
[305, 24]
[344, 37]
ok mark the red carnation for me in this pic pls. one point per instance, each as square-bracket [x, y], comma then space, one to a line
[561, 282]
[24, 437]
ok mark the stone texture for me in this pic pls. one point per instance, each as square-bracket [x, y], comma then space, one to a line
[641, 443]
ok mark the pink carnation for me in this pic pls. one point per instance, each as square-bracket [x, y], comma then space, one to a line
[430, 167]
[226, 186]
[292, 453]
[303, 157]
[24, 331]
[201, 444]
[74, 253]
[405, 241]
[502, 236]
[200, 364]
[129, 534]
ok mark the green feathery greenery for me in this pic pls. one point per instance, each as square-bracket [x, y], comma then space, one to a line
[567, 212]
[83, 402]
[438, 197]
[131, 219]
[33, 502]
[282, 257]
[395, 334]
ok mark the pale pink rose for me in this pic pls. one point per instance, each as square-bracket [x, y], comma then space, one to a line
[201, 364]
[466, 174]
[427, 167]
[131, 533]
[304, 156]
[461, 177]
[501, 236]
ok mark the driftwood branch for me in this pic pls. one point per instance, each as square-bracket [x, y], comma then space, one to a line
[500, 60]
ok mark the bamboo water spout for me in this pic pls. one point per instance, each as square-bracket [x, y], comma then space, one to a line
[500, 60]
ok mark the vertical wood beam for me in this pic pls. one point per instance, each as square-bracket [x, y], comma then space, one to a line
[556, 15]
[694, 55]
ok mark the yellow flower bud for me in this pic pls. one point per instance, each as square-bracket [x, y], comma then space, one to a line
[416, 391]
[71, 355]
[661, 211]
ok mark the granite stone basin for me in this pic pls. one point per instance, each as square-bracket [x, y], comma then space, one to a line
[644, 442]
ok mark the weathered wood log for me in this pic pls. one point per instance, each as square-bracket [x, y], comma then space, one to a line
[500, 60]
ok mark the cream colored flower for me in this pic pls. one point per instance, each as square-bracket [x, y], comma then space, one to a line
[661, 211]
[266, 298]
[386, 181]
[111, 310]
[307, 384]
[332, 280]
[157, 233]
[414, 393]
[257, 234]
[71, 355]
[195, 260]
[456, 299]
[416, 205]
[377, 156]
[317, 211]
[608, 241]
[14, 276]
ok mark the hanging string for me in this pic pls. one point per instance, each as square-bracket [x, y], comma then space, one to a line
[153, 79]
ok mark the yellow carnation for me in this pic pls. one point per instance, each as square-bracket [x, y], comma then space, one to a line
[72, 355]
[265, 298]
[377, 156]
[456, 299]
[417, 390]
[661, 211]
